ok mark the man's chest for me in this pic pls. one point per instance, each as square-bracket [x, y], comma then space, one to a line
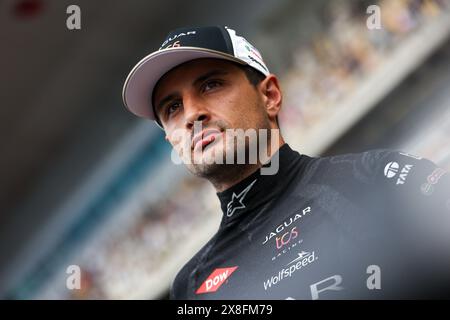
[302, 249]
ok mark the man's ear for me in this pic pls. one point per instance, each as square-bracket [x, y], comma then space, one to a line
[272, 96]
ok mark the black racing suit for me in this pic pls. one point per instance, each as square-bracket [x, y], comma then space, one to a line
[357, 226]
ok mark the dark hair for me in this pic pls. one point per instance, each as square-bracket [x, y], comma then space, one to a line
[254, 76]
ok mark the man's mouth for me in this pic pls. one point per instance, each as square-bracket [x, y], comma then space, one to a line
[203, 139]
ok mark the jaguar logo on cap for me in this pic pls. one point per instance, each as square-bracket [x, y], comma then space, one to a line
[169, 39]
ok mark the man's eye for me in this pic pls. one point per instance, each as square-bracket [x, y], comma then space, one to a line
[173, 107]
[211, 84]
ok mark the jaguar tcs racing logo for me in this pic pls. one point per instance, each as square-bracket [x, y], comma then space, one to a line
[286, 238]
[287, 235]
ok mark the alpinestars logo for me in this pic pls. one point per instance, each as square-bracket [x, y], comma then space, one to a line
[236, 200]
[215, 280]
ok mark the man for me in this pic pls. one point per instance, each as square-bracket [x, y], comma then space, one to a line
[367, 225]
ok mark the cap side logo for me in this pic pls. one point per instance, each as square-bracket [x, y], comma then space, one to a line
[182, 34]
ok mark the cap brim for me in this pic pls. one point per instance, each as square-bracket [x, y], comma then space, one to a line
[143, 77]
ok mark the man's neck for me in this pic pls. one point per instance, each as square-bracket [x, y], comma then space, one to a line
[233, 175]
[236, 173]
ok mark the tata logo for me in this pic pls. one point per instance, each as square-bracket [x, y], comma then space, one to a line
[404, 173]
[392, 169]
[215, 280]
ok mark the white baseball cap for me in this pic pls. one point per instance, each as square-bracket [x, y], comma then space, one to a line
[182, 45]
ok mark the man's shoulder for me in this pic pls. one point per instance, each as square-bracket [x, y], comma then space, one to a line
[180, 285]
[369, 158]
[371, 167]
[185, 280]
[357, 167]
[381, 167]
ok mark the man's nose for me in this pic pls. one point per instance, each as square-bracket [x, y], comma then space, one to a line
[194, 110]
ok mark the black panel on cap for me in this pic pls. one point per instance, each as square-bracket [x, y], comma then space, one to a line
[213, 38]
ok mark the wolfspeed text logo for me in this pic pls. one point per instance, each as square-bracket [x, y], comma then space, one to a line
[304, 259]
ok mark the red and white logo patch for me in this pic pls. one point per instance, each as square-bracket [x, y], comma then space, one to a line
[215, 280]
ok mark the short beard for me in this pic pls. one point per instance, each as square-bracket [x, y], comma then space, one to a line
[218, 172]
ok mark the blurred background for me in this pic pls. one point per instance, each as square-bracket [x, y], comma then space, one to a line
[84, 182]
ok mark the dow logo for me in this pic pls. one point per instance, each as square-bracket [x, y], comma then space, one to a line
[215, 280]
[391, 169]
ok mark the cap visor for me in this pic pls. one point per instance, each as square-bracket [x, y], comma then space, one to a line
[143, 77]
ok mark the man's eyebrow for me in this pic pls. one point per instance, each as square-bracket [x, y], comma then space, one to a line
[196, 82]
[217, 72]
[165, 100]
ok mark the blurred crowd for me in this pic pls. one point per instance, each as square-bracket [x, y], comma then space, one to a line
[328, 68]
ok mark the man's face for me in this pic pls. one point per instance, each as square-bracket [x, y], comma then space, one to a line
[216, 94]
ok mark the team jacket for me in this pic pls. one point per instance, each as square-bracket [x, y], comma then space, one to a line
[371, 225]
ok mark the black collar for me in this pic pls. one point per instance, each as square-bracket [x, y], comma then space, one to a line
[257, 190]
